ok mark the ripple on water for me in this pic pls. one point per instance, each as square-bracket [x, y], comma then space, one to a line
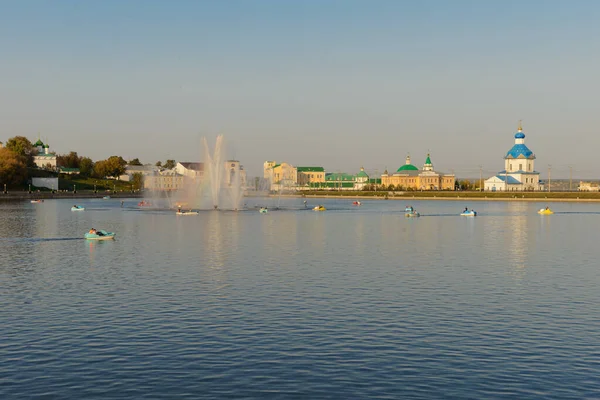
[353, 303]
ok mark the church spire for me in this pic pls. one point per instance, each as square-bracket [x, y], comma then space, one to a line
[520, 126]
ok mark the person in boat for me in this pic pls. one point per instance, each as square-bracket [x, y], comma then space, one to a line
[466, 210]
[179, 209]
[93, 231]
[75, 206]
[547, 208]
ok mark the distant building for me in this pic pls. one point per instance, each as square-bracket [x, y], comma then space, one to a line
[235, 173]
[307, 175]
[44, 158]
[588, 186]
[164, 181]
[518, 174]
[408, 177]
[190, 169]
[145, 170]
[343, 181]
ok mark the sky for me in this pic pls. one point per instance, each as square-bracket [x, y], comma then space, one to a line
[333, 83]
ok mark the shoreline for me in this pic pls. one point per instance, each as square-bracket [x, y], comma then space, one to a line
[17, 196]
[449, 198]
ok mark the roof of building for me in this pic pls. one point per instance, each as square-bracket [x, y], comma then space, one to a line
[428, 160]
[310, 169]
[407, 172]
[519, 172]
[520, 151]
[407, 166]
[38, 143]
[338, 176]
[362, 173]
[508, 179]
[195, 166]
[519, 135]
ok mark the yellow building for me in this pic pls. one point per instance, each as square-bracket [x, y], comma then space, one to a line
[408, 177]
[307, 175]
[163, 181]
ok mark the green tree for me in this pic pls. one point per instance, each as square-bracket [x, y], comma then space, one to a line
[137, 180]
[13, 167]
[21, 146]
[169, 164]
[71, 160]
[86, 166]
[135, 161]
[158, 164]
[100, 169]
[116, 166]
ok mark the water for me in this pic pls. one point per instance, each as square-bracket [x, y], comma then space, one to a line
[353, 302]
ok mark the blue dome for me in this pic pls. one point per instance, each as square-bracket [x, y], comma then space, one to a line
[519, 135]
[520, 150]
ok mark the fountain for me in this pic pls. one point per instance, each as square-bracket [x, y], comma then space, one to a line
[218, 186]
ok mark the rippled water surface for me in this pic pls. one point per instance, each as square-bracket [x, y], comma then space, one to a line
[353, 302]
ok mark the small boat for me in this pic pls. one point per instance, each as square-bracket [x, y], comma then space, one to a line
[100, 235]
[470, 213]
[187, 212]
[77, 208]
[545, 211]
[319, 208]
[144, 203]
[37, 201]
[356, 203]
[106, 197]
[263, 210]
[412, 214]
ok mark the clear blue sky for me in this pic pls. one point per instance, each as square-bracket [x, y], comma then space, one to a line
[334, 83]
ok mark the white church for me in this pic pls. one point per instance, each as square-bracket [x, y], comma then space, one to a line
[519, 174]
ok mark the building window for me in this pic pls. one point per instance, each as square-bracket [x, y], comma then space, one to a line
[510, 166]
[520, 167]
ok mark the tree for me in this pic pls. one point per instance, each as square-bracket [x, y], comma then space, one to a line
[21, 146]
[116, 166]
[86, 166]
[71, 160]
[113, 166]
[158, 164]
[135, 161]
[137, 180]
[13, 168]
[169, 164]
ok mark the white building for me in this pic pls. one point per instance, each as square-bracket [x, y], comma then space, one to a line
[190, 169]
[167, 180]
[588, 186]
[44, 158]
[235, 175]
[519, 173]
[145, 170]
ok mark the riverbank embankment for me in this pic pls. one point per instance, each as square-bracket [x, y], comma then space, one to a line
[19, 196]
[463, 196]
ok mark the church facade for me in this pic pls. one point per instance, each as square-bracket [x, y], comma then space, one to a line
[409, 177]
[44, 158]
[519, 173]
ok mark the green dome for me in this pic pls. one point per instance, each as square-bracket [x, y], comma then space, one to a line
[407, 167]
[362, 174]
[38, 143]
[46, 146]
